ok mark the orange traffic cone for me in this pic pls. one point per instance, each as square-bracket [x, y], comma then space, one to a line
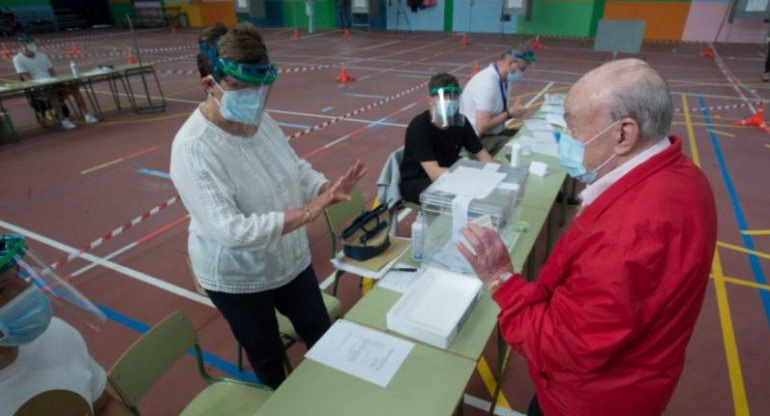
[346, 36]
[463, 40]
[174, 32]
[6, 52]
[75, 50]
[475, 68]
[296, 34]
[537, 44]
[708, 52]
[756, 120]
[344, 76]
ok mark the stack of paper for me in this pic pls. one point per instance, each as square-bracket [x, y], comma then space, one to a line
[556, 119]
[475, 183]
[538, 125]
[543, 143]
[435, 307]
[399, 280]
[361, 352]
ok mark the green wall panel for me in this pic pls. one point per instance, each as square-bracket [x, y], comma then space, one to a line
[118, 12]
[559, 17]
[20, 3]
[294, 14]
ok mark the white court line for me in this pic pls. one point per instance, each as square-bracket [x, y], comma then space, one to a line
[380, 45]
[135, 274]
[474, 401]
[270, 110]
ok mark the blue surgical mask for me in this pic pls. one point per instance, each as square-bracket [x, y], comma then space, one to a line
[514, 76]
[25, 317]
[572, 152]
[31, 47]
[244, 106]
[451, 108]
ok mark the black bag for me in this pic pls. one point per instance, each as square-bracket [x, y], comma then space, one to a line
[367, 236]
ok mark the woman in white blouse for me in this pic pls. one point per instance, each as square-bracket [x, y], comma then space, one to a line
[249, 198]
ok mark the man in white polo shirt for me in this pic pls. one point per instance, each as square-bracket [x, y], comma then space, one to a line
[31, 64]
[485, 99]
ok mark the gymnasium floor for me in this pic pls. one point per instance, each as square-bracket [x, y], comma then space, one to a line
[65, 189]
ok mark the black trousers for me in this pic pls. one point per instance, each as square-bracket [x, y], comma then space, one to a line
[534, 407]
[412, 188]
[251, 317]
[767, 59]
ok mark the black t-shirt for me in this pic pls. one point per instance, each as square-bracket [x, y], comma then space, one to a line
[425, 142]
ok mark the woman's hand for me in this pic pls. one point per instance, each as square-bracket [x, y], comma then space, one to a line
[339, 191]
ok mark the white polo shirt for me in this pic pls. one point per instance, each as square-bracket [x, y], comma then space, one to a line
[483, 92]
[57, 360]
[37, 66]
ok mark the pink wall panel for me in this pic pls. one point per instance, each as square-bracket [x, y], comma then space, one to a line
[704, 20]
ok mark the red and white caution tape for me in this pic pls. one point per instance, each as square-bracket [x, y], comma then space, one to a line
[101, 240]
[328, 123]
[717, 107]
[735, 82]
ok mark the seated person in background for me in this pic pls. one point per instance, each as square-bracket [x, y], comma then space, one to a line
[485, 99]
[32, 64]
[208, 42]
[38, 352]
[434, 138]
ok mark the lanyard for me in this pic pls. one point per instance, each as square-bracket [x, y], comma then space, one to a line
[502, 88]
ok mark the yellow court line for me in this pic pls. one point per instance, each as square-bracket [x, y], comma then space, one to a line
[712, 125]
[743, 250]
[145, 120]
[742, 282]
[756, 232]
[489, 381]
[723, 133]
[690, 132]
[740, 402]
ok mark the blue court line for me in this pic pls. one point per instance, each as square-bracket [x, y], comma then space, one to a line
[208, 358]
[352, 94]
[325, 109]
[748, 242]
[156, 173]
[296, 126]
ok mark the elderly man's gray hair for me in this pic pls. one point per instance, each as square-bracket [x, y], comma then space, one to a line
[642, 94]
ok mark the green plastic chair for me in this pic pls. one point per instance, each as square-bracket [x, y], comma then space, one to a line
[160, 348]
[285, 328]
[337, 217]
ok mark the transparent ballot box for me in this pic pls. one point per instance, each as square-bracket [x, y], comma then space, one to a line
[486, 194]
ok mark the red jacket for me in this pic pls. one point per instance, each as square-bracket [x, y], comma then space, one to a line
[605, 326]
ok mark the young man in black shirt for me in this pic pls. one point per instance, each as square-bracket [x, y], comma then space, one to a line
[434, 138]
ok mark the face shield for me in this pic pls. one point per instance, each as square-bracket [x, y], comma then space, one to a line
[31, 292]
[446, 107]
[245, 88]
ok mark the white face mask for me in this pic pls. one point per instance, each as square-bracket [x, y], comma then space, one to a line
[31, 47]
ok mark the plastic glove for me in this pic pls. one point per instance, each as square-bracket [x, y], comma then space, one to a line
[491, 260]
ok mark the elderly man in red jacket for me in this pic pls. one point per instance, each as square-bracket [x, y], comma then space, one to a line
[605, 326]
